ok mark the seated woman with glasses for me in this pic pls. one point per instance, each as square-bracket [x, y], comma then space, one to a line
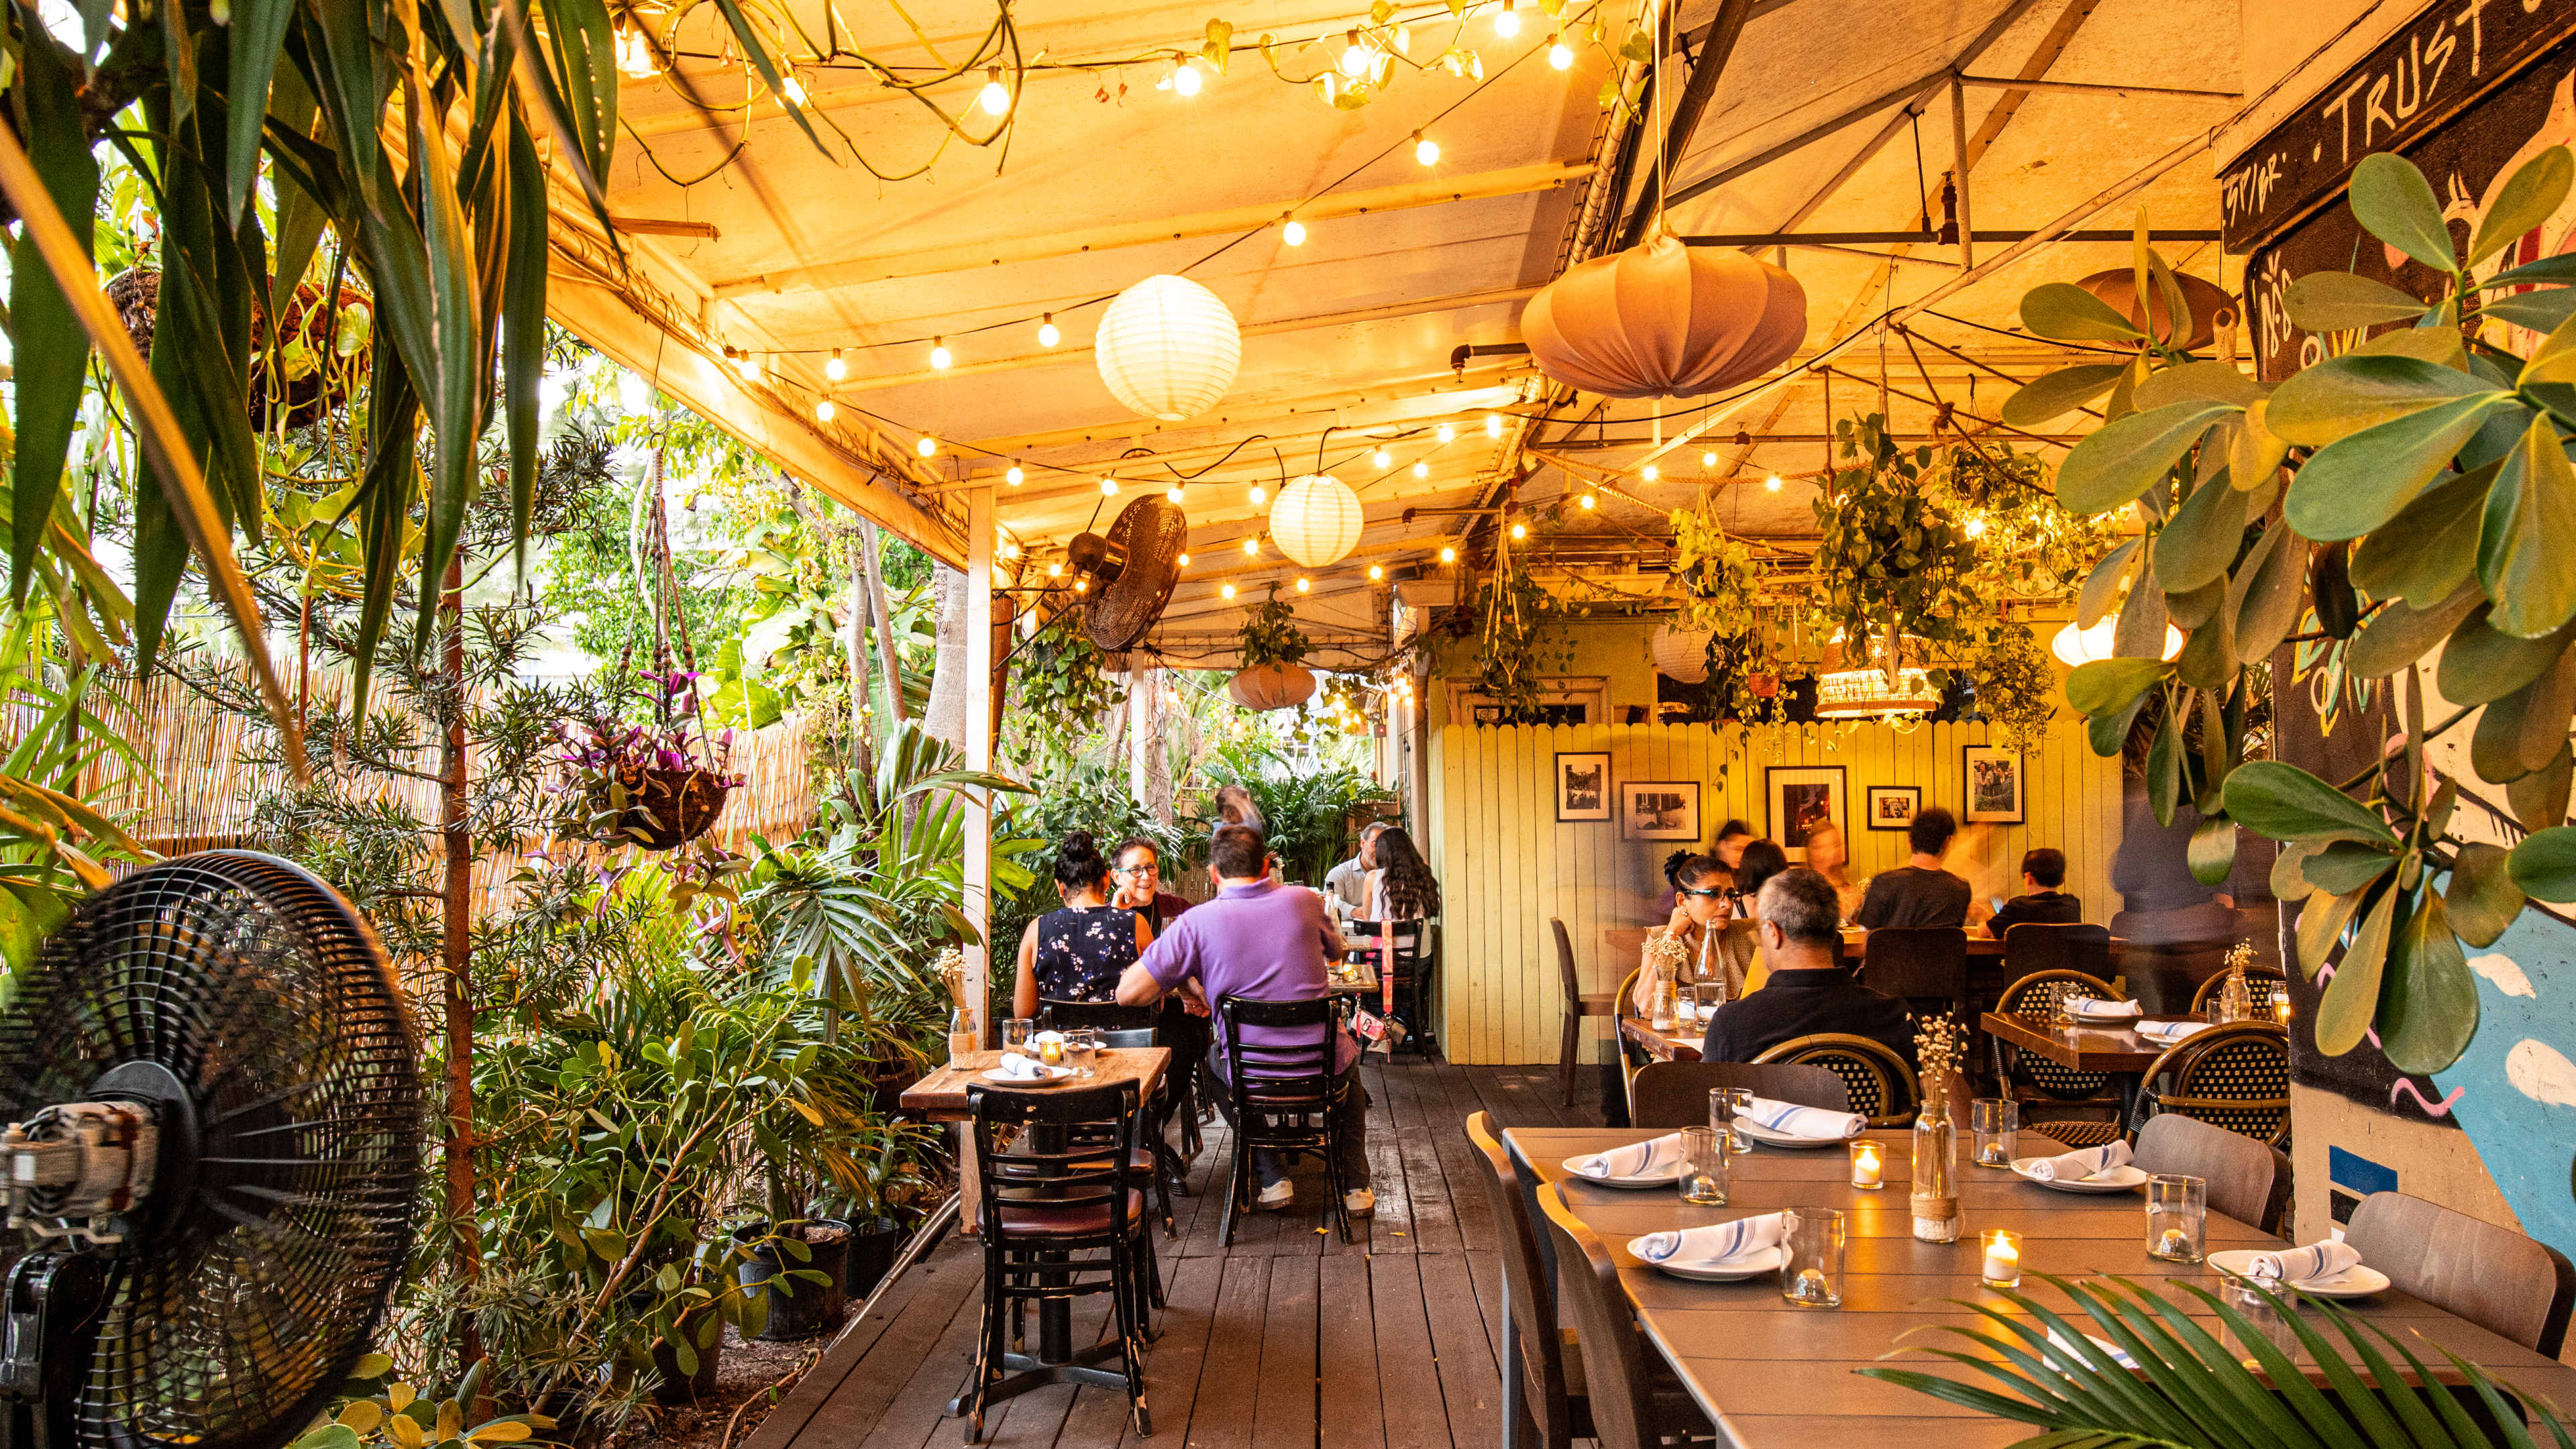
[1078, 953]
[1703, 892]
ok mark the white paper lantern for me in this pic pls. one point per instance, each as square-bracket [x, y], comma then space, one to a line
[1316, 520]
[1682, 654]
[1167, 348]
[2077, 646]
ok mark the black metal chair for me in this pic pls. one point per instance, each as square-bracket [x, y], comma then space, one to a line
[2047, 1089]
[1675, 1094]
[1282, 1096]
[2033, 947]
[1416, 956]
[1154, 1153]
[1099, 1015]
[1926, 966]
[1051, 1196]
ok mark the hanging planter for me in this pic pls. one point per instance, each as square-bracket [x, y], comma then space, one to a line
[1272, 686]
[654, 786]
[1665, 320]
[665, 809]
[323, 355]
[1270, 644]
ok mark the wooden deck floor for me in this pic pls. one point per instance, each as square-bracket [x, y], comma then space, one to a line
[1289, 1339]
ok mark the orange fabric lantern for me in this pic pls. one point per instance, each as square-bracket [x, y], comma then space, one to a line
[1272, 686]
[1665, 320]
[2211, 307]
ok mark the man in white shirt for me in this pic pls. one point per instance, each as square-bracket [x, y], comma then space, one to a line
[1346, 885]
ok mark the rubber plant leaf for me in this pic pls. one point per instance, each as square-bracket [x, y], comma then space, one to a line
[2524, 554]
[2351, 999]
[2283, 802]
[2393, 202]
[2428, 1002]
[2125, 457]
[2360, 481]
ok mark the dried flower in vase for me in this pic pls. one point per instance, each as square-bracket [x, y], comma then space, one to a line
[950, 967]
[2240, 956]
[1939, 1046]
[1663, 948]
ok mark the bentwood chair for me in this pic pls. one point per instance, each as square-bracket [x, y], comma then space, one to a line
[1623, 1007]
[2492, 1276]
[1282, 1096]
[1881, 1084]
[1619, 1390]
[1154, 1151]
[2248, 1180]
[1675, 1094]
[1552, 1395]
[1580, 1006]
[2050, 1091]
[2235, 1076]
[2264, 985]
[1925, 966]
[1051, 1197]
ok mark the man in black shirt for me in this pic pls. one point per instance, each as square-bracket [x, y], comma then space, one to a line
[1919, 892]
[1809, 992]
[2042, 903]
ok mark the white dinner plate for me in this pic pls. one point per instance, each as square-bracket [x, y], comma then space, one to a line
[1769, 1138]
[1735, 1270]
[2123, 1178]
[2358, 1281]
[1663, 1179]
[1053, 1075]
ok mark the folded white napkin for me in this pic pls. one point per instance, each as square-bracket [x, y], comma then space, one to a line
[2087, 1008]
[2169, 1032]
[2111, 1350]
[2304, 1265]
[1637, 1159]
[1020, 1068]
[1717, 1243]
[1791, 1120]
[2077, 1166]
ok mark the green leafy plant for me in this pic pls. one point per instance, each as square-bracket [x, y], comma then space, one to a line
[2429, 483]
[1270, 634]
[382, 1412]
[1308, 810]
[2182, 1387]
[1720, 580]
[1513, 610]
[2016, 688]
[1891, 558]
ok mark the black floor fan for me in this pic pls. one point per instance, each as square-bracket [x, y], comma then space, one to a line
[213, 1156]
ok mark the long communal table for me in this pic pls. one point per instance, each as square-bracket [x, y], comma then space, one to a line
[1774, 1376]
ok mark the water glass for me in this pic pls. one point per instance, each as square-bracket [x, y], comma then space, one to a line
[2177, 1218]
[1707, 997]
[2269, 1317]
[1725, 1104]
[1704, 1174]
[1813, 1275]
[1082, 1048]
[1016, 1031]
[1996, 1123]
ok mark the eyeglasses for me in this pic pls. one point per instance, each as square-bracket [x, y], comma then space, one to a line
[1135, 870]
[1711, 894]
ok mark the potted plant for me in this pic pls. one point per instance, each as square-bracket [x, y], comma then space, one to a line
[1270, 645]
[659, 786]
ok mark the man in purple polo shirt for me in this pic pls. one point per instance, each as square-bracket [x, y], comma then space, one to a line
[1270, 942]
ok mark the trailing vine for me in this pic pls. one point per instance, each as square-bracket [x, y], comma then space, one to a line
[1719, 577]
[1513, 608]
[1894, 557]
[2016, 688]
[1270, 634]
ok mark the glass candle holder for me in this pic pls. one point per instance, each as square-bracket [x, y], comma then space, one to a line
[1704, 1175]
[1813, 1275]
[2267, 1315]
[1996, 1125]
[1725, 1105]
[2177, 1218]
[1868, 1165]
[2001, 1266]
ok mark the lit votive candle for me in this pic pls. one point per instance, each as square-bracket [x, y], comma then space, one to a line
[2002, 1267]
[1867, 1166]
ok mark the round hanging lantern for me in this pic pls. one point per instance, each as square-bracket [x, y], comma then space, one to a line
[2076, 646]
[2210, 305]
[1682, 654]
[1316, 520]
[1167, 348]
[1665, 320]
[1272, 686]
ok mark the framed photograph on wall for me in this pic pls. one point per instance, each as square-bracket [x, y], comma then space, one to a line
[1994, 786]
[1582, 786]
[1802, 798]
[1893, 807]
[1659, 810]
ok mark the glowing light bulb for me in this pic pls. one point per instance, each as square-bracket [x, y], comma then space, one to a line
[939, 356]
[748, 367]
[1425, 150]
[1302, 584]
[1055, 571]
[823, 410]
[1082, 586]
[1048, 336]
[1226, 592]
[1585, 502]
[1258, 495]
[1771, 484]
[1519, 532]
[1015, 477]
[1507, 23]
[1559, 54]
[1294, 233]
[1173, 493]
[793, 89]
[1185, 560]
[1252, 548]
[1421, 470]
[1448, 434]
[995, 98]
[635, 54]
[1108, 487]
[1186, 79]
[1376, 573]
[928, 447]
[1650, 472]
[1448, 555]
[1381, 459]
[1355, 56]
[1708, 459]
[1976, 525]
[1493, 425]
[838, 367]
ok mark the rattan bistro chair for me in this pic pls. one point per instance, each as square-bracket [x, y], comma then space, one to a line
[2235, 1076]
[2264, 986]
[2049, 1091]
[1881, 1084]
[1675, 1094]
[2494, 1277]
[1619, 1388]
[1579, 1007]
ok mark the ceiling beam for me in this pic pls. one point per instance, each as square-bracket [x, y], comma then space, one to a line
[2028, 84]
[971, 256]
[2052, 44]
[1719, 48]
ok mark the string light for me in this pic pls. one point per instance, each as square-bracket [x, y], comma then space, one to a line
[838, 367]
[1585, 502]
[1421, 470]
[1519, 532]
[792, 88]
[1355, 56]
[996, 97]
[745, 365]
[1055, 571]
[1448, 555]
[1173, 493]
[1771, 484]
[1108, 487]
[1252, 548]
[1227, 592]
[823, 410]
[1293, 232]
[635, 54]
[1257, 495]
[1185, 560]
[1185, 80]
[1376, 573]
[1302, 584]
[1559, 54]
[1381, 459]
[1082, 586]
[1015, 477]
[1493, 425]
[928, 447]
[1976, 525]
[1708, 459]
[1448, 434]
[1650, 472]
[939, 356]
[1508, 23]
[1048, 336]
[1425, 150]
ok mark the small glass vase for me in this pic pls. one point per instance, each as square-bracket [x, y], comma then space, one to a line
[1667, 1000]
[2235, 998]
[1937, 1218]
[963, 1039]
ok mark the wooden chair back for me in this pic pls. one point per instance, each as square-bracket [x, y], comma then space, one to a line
[2039, 996]
[1532, 1283]
[1617, 1389]
[1565, 975]
[2032, 947]
[2248, 1180]
[2492, 1276]
[1041, 1164]
[1675, 1094]
[2235, 1076]
[1881, 1085]
[1926, 966]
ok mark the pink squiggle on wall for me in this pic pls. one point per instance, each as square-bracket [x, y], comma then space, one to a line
[2441, 1108]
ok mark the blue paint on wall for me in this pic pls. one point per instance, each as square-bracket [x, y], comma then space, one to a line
[2357, 1174]
[2514, 1090]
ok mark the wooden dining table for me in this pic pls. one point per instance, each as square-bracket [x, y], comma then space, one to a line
[2118, 1052]
[1768, 1374]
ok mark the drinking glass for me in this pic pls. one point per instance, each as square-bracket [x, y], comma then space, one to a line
[1709, 996]
[1996, 1123]
[1725, 1104]
[1813, 1275]
[2177, 1217]
[1704, 1176]
[1016, 1031]
[1082, 1048]
[2269, 1317]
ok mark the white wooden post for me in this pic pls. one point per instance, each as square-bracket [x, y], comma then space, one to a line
[979, 750]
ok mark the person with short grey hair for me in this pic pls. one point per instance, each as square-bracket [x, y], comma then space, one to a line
[1346, 885]
[1808, 991]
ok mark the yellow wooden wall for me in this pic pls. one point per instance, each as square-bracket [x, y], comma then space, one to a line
[1506, 866]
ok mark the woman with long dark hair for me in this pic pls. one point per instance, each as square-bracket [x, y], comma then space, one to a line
[1078, 953]
[1402, 887]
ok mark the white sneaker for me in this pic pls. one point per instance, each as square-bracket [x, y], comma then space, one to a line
[1277, 1195]
[1359, 1202]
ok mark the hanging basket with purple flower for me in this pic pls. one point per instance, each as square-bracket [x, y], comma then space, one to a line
[659, 786]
